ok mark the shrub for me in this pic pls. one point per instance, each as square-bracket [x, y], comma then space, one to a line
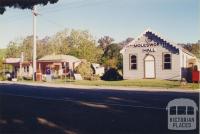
[92, 77]
[85, 70]
[112, 75]
[2, 77]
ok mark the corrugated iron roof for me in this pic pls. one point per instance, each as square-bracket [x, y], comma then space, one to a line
[158, 35]
[62, 58]
[12, 60]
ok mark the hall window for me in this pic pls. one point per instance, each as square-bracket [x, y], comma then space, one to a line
[167, 61]
[133, 62]
[27, 68]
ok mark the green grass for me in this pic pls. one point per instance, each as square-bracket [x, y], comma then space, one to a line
[135, 83]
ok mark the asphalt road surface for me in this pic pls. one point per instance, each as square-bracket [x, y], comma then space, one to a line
[42, 110]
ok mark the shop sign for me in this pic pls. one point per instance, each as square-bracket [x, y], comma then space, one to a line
[146, 45]
[149, 50]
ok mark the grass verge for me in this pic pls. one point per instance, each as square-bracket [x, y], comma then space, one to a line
[134, 83]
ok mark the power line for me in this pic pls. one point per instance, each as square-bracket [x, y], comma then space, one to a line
[13, 20]
[51, 21]
[92, 3]
[65, 4]
[16, 15]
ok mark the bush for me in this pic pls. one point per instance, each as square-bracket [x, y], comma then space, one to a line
[112, 75]
[2, 77]
[85, 70]
[92, 77]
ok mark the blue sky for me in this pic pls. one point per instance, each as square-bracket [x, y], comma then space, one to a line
[175, 19]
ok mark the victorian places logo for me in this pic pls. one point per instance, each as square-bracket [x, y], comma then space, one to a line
[182, 114]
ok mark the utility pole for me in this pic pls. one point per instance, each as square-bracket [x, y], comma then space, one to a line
[34, 43]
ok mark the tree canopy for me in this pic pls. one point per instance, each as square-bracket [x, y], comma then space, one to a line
[73, 42]
[193, 48]
[105, 41]
[23, 4]
[112, 57]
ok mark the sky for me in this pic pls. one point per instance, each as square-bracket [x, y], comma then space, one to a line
[178, 20]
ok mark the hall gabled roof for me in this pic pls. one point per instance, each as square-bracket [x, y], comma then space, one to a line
[164, 42]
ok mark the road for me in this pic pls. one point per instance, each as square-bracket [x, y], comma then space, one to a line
[43, 110]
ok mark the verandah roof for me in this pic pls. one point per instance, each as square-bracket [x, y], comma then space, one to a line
[12, 60]
[58, 58]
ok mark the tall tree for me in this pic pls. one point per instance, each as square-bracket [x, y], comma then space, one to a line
[27, 48]
[105, 41]
[125, 42]
[2, 55]
[58, 43]
[43, 47]
[83, 46]
[112, 57]
[196, 49]
[13, 49]
[193, 48]
[75, 42]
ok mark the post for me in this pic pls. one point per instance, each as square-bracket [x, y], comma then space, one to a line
[34, 44]
[65, 72]
[21, 62]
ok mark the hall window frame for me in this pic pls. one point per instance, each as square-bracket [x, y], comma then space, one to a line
[167, 62]
[131, 63]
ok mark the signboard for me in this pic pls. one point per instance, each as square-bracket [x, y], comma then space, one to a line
[78, 77]
[149, 50]
[48, 71]
[146, 45]
[182, 114]
[48, 78]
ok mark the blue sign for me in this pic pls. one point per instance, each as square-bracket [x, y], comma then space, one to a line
[48, 71]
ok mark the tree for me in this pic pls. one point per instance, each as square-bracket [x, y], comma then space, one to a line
[196, 49]
[13, 49]
[58, 43]
[43, 47]
[105, 41]
[84, 68]
[75, 42]
[27, 48]
[83, 46]
[125, 42]
[112, 57]
[193, 48]
[2, 56]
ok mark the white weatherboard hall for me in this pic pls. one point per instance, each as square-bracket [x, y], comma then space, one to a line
[151, 56]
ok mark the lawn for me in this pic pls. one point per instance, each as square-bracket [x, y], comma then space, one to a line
[134, 83]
